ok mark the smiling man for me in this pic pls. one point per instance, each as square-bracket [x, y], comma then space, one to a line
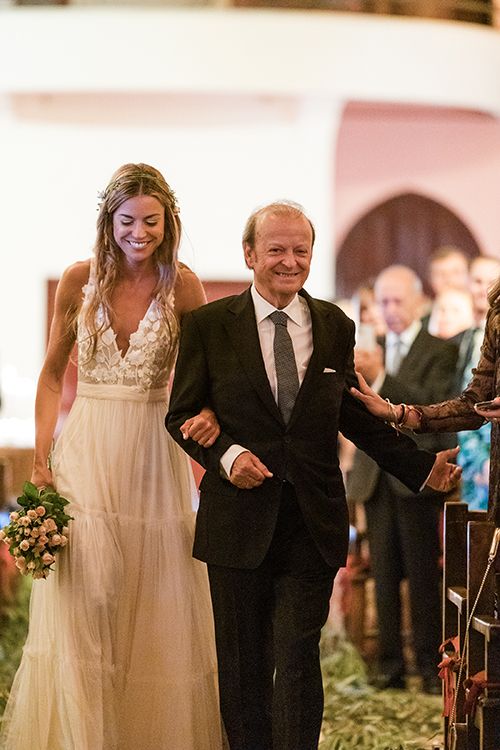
[276, 366]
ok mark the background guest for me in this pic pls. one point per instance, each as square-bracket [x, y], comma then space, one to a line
[474, 455]
[402, 528]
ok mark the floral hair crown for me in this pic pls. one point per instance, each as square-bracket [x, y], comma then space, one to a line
[103, 195]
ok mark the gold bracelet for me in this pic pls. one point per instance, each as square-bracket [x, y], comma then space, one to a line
[409, 410]
[393, 420]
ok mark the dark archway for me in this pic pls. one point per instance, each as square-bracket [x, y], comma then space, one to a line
[404, 229]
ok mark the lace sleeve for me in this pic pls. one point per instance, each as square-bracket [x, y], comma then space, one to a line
[458, 413]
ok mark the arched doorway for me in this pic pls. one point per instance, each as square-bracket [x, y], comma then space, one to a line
[404, 229]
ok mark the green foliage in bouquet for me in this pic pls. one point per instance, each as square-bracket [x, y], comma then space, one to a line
[38, 530]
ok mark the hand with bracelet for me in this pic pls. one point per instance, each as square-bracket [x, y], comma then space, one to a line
[445, 474]
[397, 415]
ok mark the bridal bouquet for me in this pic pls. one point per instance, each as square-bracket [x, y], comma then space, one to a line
[38, 531]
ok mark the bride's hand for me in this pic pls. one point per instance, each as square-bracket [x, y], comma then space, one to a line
[203, 428]
[373, 402]
[42, 477]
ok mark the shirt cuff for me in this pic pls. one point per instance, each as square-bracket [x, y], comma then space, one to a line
[378, 382]
[428, 475]
[229, 457]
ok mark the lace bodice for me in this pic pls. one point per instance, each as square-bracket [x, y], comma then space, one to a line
[148, 360]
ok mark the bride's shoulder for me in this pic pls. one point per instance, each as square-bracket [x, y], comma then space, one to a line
[73, 280]
[189, 292]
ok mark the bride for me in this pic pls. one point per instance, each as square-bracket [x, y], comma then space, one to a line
[120, 651]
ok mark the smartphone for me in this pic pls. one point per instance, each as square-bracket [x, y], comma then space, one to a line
[487, 406]
[365, 337]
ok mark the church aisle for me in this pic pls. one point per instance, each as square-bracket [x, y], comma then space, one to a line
[357, 717]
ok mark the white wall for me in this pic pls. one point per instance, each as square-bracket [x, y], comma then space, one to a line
[223, 156]
[236, 107]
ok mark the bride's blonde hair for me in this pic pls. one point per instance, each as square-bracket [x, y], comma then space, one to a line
[129, 181]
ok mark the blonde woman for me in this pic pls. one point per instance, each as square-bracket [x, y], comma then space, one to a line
[120, 651]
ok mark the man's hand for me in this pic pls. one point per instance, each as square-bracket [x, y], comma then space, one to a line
[203, 428]
[248, 471]
[444, 476]
[369, 363]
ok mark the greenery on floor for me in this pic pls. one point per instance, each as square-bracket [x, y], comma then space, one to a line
[356, 716]
[13, 629]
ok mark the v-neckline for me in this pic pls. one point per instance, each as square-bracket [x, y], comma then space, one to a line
[123, 354]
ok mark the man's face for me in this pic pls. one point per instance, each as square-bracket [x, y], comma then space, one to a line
[450, 272]
[398, 300]
[281, 256]
[483, 273]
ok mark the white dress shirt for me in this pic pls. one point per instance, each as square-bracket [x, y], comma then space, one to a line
[405, 339]
[300, 330]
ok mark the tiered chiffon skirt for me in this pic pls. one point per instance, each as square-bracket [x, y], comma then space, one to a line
[120, 653]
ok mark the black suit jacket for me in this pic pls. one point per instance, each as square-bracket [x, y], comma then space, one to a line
[426, 376]
[220, 364]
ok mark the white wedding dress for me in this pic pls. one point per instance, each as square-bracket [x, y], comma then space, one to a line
[120, 653]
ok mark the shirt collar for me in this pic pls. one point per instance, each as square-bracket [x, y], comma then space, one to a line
[407, 337]
[263, 308]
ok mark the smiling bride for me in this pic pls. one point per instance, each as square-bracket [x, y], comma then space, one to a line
[120, 650]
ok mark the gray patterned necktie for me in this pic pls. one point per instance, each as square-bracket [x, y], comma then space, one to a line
[286, 366]
[397, 356]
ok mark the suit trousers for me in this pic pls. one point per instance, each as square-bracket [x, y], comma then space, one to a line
[268, 623]
[403, 534]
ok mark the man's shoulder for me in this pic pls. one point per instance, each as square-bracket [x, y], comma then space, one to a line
[328, 309]
[219, 306]
[440, 347]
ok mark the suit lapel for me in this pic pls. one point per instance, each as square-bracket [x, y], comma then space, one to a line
[241, 329]
[413, 359]
[322, 345]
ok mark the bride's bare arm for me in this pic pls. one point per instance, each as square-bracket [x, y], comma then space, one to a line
[189, 294]
[61, 340]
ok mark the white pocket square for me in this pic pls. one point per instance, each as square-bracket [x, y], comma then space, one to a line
[329, 369]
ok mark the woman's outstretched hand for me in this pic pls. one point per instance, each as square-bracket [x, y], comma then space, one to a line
[203, 428]
[489, 410]
[373, 402]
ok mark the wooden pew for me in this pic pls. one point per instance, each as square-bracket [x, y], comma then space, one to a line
[467, 540]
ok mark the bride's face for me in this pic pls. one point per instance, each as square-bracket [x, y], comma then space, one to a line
[139, 227]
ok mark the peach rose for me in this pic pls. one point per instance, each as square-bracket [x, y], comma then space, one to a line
[25, 545]
[40, 511]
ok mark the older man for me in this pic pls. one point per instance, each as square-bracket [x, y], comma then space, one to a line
[275, 365]
[409, 366]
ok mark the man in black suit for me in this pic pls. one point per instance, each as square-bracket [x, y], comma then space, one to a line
[414, 367]
[272, 523]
